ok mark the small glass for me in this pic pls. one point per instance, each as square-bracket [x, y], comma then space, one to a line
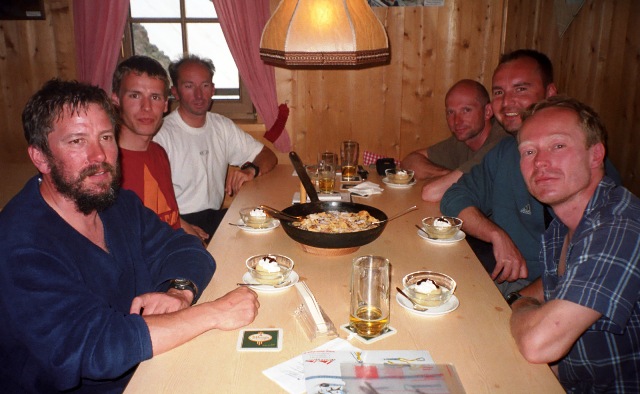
[349, 159]
[369, 310]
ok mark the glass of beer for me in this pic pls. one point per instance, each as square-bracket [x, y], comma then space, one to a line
[327, 165]
[369, 311]
[349, 159]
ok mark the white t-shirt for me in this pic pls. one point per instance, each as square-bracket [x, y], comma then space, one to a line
[199, 158]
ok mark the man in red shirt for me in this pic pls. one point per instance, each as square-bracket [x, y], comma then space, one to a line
[140, 91]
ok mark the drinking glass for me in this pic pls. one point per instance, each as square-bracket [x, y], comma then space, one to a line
[349, 159]
[369, 311]
[327, 164]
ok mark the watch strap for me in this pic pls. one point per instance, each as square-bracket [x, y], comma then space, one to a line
[248, 164]
[513, 297]
[185, 284]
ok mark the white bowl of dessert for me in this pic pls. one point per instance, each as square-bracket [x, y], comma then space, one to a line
[399, 176]
[255, 217]
[429, 288]
[441, 227]
[269, 269]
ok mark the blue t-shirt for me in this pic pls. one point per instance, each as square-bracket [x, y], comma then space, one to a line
[65, 301]
[602, 273]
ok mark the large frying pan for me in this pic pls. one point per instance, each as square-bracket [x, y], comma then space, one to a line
[325, 240]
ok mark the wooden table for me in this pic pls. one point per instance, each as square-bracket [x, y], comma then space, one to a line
[475, 338]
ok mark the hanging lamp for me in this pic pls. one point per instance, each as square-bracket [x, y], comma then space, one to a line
[324, 33]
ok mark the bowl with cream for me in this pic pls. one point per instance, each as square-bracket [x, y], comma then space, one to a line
[269, 269]
[441, 227]
[429, 288]
[255, 217]
[399, 176]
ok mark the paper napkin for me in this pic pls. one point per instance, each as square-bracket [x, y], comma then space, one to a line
[366, 189]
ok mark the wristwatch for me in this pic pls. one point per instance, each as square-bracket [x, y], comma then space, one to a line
[185, 284]
[513, 297]
[250, 164]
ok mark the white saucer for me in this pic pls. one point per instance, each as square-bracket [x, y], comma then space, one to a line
[274, 223]
[392, 185]
[443, 309]
[456, 238]
[293, 276]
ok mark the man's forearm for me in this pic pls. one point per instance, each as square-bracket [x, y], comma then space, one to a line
[265, 160]
[478, 225]
[434, 188]
[423, 167]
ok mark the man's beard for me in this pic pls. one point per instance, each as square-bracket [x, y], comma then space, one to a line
[87, 202]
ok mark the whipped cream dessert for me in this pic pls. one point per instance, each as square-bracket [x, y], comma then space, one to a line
[441, 222]
[268, 264]
[427, 286]
[258, 214]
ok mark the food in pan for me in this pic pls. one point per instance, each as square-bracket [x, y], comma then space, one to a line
[337, 222]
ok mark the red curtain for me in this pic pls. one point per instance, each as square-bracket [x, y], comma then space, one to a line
[242, 22]
[98, 26]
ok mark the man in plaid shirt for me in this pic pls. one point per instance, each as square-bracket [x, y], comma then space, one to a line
[583, 315]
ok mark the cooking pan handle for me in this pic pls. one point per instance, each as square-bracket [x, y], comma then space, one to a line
[304, 177]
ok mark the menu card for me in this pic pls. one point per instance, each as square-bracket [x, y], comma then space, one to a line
[373, 371]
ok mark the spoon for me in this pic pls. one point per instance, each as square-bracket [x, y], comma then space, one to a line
[424, 232]
[413, 208]
[281, 215]
[393, 217]
[276, 286]
[416, 306]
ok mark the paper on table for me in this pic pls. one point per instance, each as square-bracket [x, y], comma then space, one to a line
[366, 189]
[290, 374]
[339, 369]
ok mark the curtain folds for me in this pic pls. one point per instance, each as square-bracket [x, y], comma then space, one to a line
[242, 22]
[98, 27]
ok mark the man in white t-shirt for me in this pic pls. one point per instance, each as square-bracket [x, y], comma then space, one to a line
[202, 144]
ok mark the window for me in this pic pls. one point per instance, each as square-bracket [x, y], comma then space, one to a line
[168, 29]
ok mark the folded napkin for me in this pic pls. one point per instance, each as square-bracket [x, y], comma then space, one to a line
[365, 189]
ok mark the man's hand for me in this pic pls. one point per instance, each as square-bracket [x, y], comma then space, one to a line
[235, 179]
[193, 230]
[510, 265]
[235, 309]
[160, 303]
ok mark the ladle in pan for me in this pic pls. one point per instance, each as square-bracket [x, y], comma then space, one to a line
[413, 208]
[281, 215]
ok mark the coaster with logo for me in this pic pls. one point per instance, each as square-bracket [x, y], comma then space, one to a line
[260, 340]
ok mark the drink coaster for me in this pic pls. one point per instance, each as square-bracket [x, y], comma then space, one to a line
[352, 334]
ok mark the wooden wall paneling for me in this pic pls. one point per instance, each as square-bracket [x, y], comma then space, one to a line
[28, 58]
[596, 61]
[392, 78]
[420, 69]
[624, 132]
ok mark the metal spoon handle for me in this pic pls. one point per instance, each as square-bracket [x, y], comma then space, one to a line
[279, 214]
[415, 305]
[400, 214]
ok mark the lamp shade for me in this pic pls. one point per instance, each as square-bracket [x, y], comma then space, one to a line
[324, 33]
